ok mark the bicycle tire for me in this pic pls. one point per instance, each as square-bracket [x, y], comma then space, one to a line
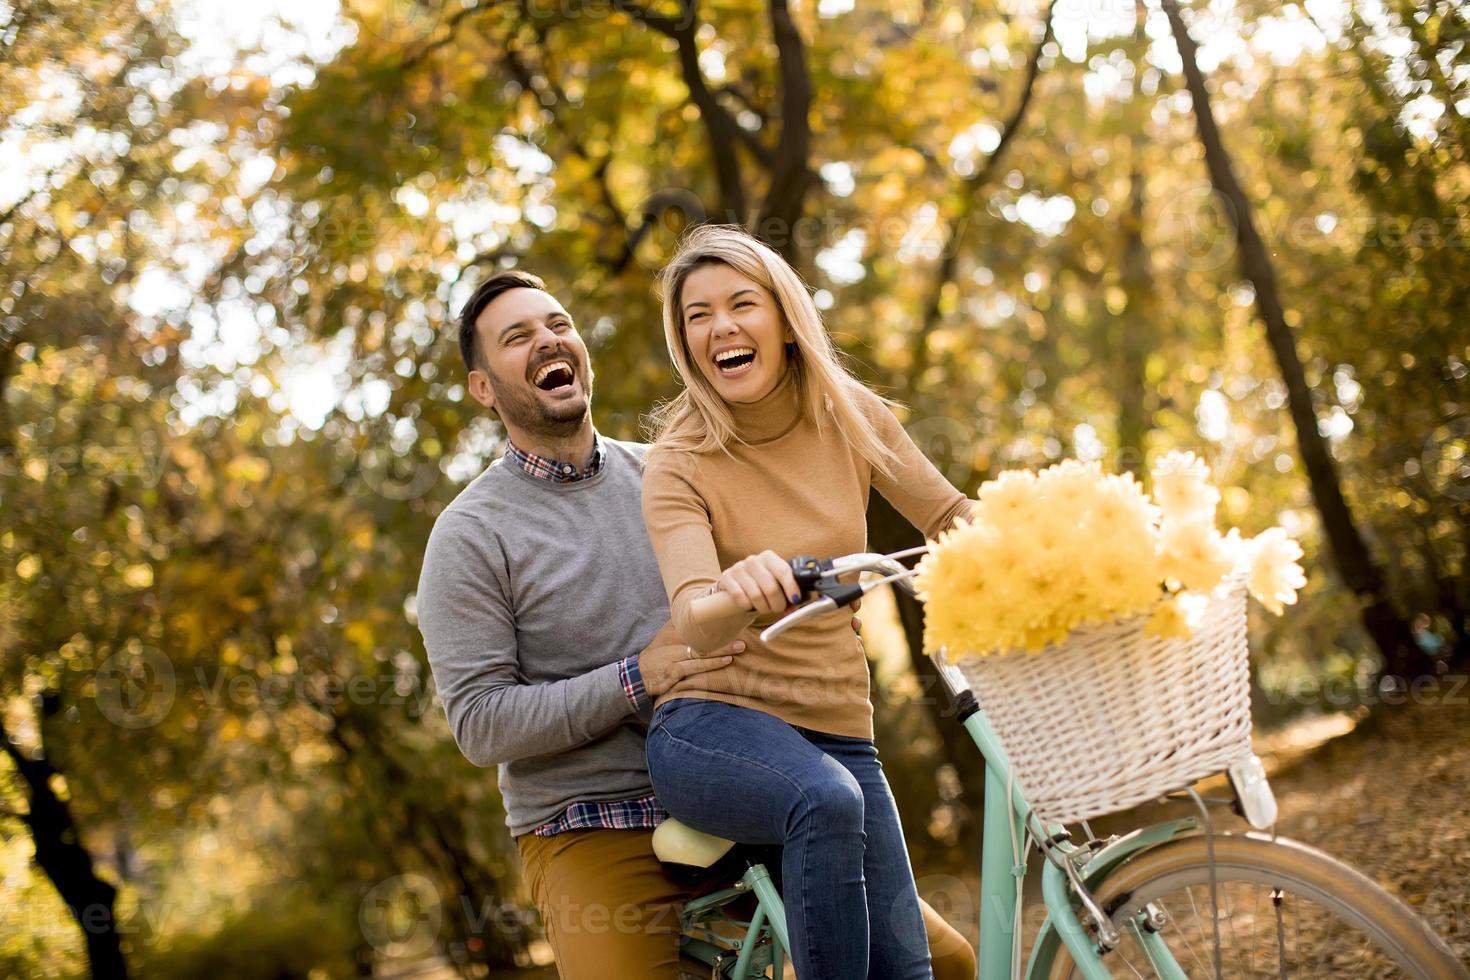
[1399, 938]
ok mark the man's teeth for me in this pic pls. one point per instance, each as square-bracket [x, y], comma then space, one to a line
[725, 356]
[546, 369]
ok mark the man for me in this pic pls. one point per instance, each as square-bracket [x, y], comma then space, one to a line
[546, 624]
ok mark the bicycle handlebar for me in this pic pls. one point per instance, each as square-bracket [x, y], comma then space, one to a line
[822, 578]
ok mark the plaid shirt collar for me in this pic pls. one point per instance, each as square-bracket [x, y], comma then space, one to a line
[556, 470]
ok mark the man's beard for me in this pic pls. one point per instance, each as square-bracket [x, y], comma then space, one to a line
[523, 409]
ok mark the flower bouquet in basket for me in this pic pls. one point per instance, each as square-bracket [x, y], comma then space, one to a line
[1103, 631]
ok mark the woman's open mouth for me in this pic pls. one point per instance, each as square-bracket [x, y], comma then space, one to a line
[734, 361]
[554, 375]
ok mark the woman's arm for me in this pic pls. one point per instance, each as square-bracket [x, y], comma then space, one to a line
[679, 529]
[917, 489]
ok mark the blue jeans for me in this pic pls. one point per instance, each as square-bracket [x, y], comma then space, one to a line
[851, 906]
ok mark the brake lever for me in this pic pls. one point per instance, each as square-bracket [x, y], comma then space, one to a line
[886, 565]
[810, 575]
[818, 607]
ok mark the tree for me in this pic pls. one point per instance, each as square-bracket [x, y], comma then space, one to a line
[1402, 658]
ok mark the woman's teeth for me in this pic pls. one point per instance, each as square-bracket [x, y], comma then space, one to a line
[735, 360]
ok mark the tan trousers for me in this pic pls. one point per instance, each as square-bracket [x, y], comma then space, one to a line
[611, 913]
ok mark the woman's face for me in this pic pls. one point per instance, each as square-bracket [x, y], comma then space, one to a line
[734, 332]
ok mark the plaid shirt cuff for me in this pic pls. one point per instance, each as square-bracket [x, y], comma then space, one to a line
[633, 689]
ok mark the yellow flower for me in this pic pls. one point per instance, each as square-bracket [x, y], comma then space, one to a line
[1121, 500]
[1005, 497]
[1275, 574]
[1069, 483]
[1168, 620]
[1044, 554]
[1194, 553]
[1182, 487]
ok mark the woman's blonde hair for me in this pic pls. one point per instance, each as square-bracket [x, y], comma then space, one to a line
[698, 420]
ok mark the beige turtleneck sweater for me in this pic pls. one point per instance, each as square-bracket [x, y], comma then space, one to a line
[787, 487]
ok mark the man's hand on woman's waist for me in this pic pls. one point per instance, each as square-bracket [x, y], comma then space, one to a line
[665, 661]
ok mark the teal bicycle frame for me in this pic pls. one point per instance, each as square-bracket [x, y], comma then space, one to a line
[1066, 881]
[1005, 819]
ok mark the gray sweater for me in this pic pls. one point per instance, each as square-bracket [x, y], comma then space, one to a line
[530, 594]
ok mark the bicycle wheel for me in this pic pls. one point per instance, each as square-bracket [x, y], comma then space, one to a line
[1285, 910]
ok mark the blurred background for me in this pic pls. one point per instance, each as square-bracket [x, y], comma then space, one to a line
[234, 237]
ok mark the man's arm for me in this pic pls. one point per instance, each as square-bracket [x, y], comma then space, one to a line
[469, 631]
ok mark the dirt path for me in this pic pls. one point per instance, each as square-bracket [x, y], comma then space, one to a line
[1391, 797]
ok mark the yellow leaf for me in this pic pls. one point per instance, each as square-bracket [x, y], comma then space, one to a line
[252, 469]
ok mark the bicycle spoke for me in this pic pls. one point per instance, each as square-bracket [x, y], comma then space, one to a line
[1182, 935]
[1230, 918]
[1250, 965]
[1298, 943]
[1326, 944]
[1128, 963]
[1204, 937]
[1296, 937]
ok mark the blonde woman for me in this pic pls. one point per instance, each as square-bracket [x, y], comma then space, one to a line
[770, 452]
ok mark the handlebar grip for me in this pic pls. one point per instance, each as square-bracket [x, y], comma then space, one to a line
[716, 605]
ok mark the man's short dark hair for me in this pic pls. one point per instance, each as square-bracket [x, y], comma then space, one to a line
[501, 282]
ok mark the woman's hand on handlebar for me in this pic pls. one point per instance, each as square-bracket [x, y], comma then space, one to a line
[763, 583]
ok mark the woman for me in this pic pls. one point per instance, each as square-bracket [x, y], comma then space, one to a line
[771, 451]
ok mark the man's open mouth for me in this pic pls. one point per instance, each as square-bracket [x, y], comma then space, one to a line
[553, 375]
[734, 361]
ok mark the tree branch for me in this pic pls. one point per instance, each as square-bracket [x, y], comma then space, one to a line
[724, 133]
[737, 91]
[551, 101]
[452, 29]
[750, 138]
[665, 25]
[790, 174]
[970, 189]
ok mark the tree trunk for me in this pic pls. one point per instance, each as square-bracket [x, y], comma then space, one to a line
[889, 531]
[1136, 332]
[791, 175]
[66, 861]
[1134, 418]
[1381, 620]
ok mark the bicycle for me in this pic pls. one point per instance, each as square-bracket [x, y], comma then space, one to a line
[1162, 898]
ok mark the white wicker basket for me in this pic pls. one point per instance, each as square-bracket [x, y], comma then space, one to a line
[1112, 717]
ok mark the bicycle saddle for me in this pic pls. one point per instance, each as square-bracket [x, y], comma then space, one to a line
[677, 843]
